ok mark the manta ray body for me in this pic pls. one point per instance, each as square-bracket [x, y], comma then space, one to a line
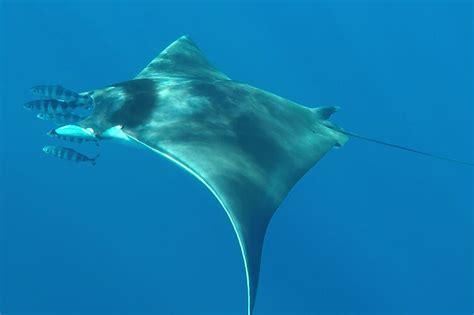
[247, 146]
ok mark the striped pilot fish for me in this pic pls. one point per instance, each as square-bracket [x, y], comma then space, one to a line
[74, 133]
[55, 91]
[67, 118]
[60, 93]
[52, 106]
[68, 154]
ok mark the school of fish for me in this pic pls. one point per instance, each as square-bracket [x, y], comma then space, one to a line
[63, 106]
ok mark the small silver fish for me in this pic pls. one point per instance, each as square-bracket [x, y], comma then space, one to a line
[74, 139]
[51, 106]
[67, 118]
[68, 154]
[55, 91]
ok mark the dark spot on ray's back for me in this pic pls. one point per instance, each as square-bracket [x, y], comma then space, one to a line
[140, 100]
[205, 88]
[252, 137]
[218, 97]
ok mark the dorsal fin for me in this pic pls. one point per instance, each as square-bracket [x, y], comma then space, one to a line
[325, 112]
[181, 59]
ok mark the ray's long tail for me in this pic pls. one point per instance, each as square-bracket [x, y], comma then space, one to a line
[396, 146]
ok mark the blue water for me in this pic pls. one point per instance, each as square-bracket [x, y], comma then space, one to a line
[368, 230]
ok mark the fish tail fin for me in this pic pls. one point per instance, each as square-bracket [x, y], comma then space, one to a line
[94, 159]
[396, 146]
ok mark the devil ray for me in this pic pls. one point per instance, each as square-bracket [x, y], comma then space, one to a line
[247, 146]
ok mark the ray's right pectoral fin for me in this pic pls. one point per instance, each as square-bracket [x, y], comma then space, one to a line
[182, 59]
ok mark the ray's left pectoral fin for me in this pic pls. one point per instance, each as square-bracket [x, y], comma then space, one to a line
[238, 170]
[247, 204]
[251, 235]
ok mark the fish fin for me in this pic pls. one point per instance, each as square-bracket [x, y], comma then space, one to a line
[325, 112]
[249, 216]
[94, 159]
[181, 59]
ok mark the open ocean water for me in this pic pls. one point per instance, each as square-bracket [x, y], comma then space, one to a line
[368, 230]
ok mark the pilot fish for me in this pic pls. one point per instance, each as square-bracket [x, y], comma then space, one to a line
[68, 154]
[66, 118]
[60, 93]
[55, 91]
[52, 106]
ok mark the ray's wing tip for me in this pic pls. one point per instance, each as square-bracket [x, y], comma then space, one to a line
[185, 37]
